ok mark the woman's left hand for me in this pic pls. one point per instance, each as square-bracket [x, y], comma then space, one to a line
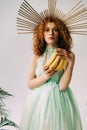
[69, 56]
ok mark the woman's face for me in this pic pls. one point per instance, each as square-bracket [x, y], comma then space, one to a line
[51, 34]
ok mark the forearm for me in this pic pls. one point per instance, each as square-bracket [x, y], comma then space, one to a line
[36, 82]
[66, 77]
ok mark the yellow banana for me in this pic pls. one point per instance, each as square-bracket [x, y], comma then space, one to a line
[52, 58]
[65, 63]
[55, 63]
[60, 65]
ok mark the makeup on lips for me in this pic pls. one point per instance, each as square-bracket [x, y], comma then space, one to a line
[51, 38]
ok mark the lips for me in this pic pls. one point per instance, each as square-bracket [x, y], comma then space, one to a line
[51, 38]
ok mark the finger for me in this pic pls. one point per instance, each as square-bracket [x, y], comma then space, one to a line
[59, 49]
[52, 72]
[49, 70]
[61, 52]
[45, 68]
[65, 53]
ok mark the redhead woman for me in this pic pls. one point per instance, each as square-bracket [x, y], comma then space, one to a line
[50, 104]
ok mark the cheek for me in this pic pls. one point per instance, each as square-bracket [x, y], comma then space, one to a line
[45, 36]
[56, 36]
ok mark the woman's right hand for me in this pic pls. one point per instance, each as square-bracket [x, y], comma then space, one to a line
[48, 73]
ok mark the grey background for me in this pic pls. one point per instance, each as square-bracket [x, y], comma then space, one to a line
[16, 51]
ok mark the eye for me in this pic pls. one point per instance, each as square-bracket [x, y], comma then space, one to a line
[55, 29]
[46, 30]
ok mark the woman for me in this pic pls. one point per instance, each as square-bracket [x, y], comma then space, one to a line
[50, 104]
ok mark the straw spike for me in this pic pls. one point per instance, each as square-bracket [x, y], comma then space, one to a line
[59, 13]
[27, 11]
[21, 21]
[79, 32]
[73, 9]
[75, 14]
[28, 17]
[51, 7]
[76, 20]
[33, 10]
[79, 26]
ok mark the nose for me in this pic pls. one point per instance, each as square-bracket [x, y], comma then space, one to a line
[51, 32]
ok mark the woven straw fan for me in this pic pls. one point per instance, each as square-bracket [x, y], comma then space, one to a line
[75, 19]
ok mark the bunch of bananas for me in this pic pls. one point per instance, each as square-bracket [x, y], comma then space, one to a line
[56, 62]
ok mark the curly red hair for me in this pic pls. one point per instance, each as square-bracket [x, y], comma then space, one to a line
[64, 38]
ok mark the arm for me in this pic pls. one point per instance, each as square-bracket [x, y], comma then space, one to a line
[67, 75]
[34, 81]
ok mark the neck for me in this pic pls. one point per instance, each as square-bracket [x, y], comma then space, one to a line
[52, 46]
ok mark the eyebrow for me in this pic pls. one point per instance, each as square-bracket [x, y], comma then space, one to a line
[49, 27]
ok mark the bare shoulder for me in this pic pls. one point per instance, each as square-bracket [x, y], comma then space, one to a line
[32, 65]
[35, 58]
[72, 54]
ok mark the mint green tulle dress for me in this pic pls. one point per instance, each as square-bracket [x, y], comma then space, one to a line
[48, 108]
